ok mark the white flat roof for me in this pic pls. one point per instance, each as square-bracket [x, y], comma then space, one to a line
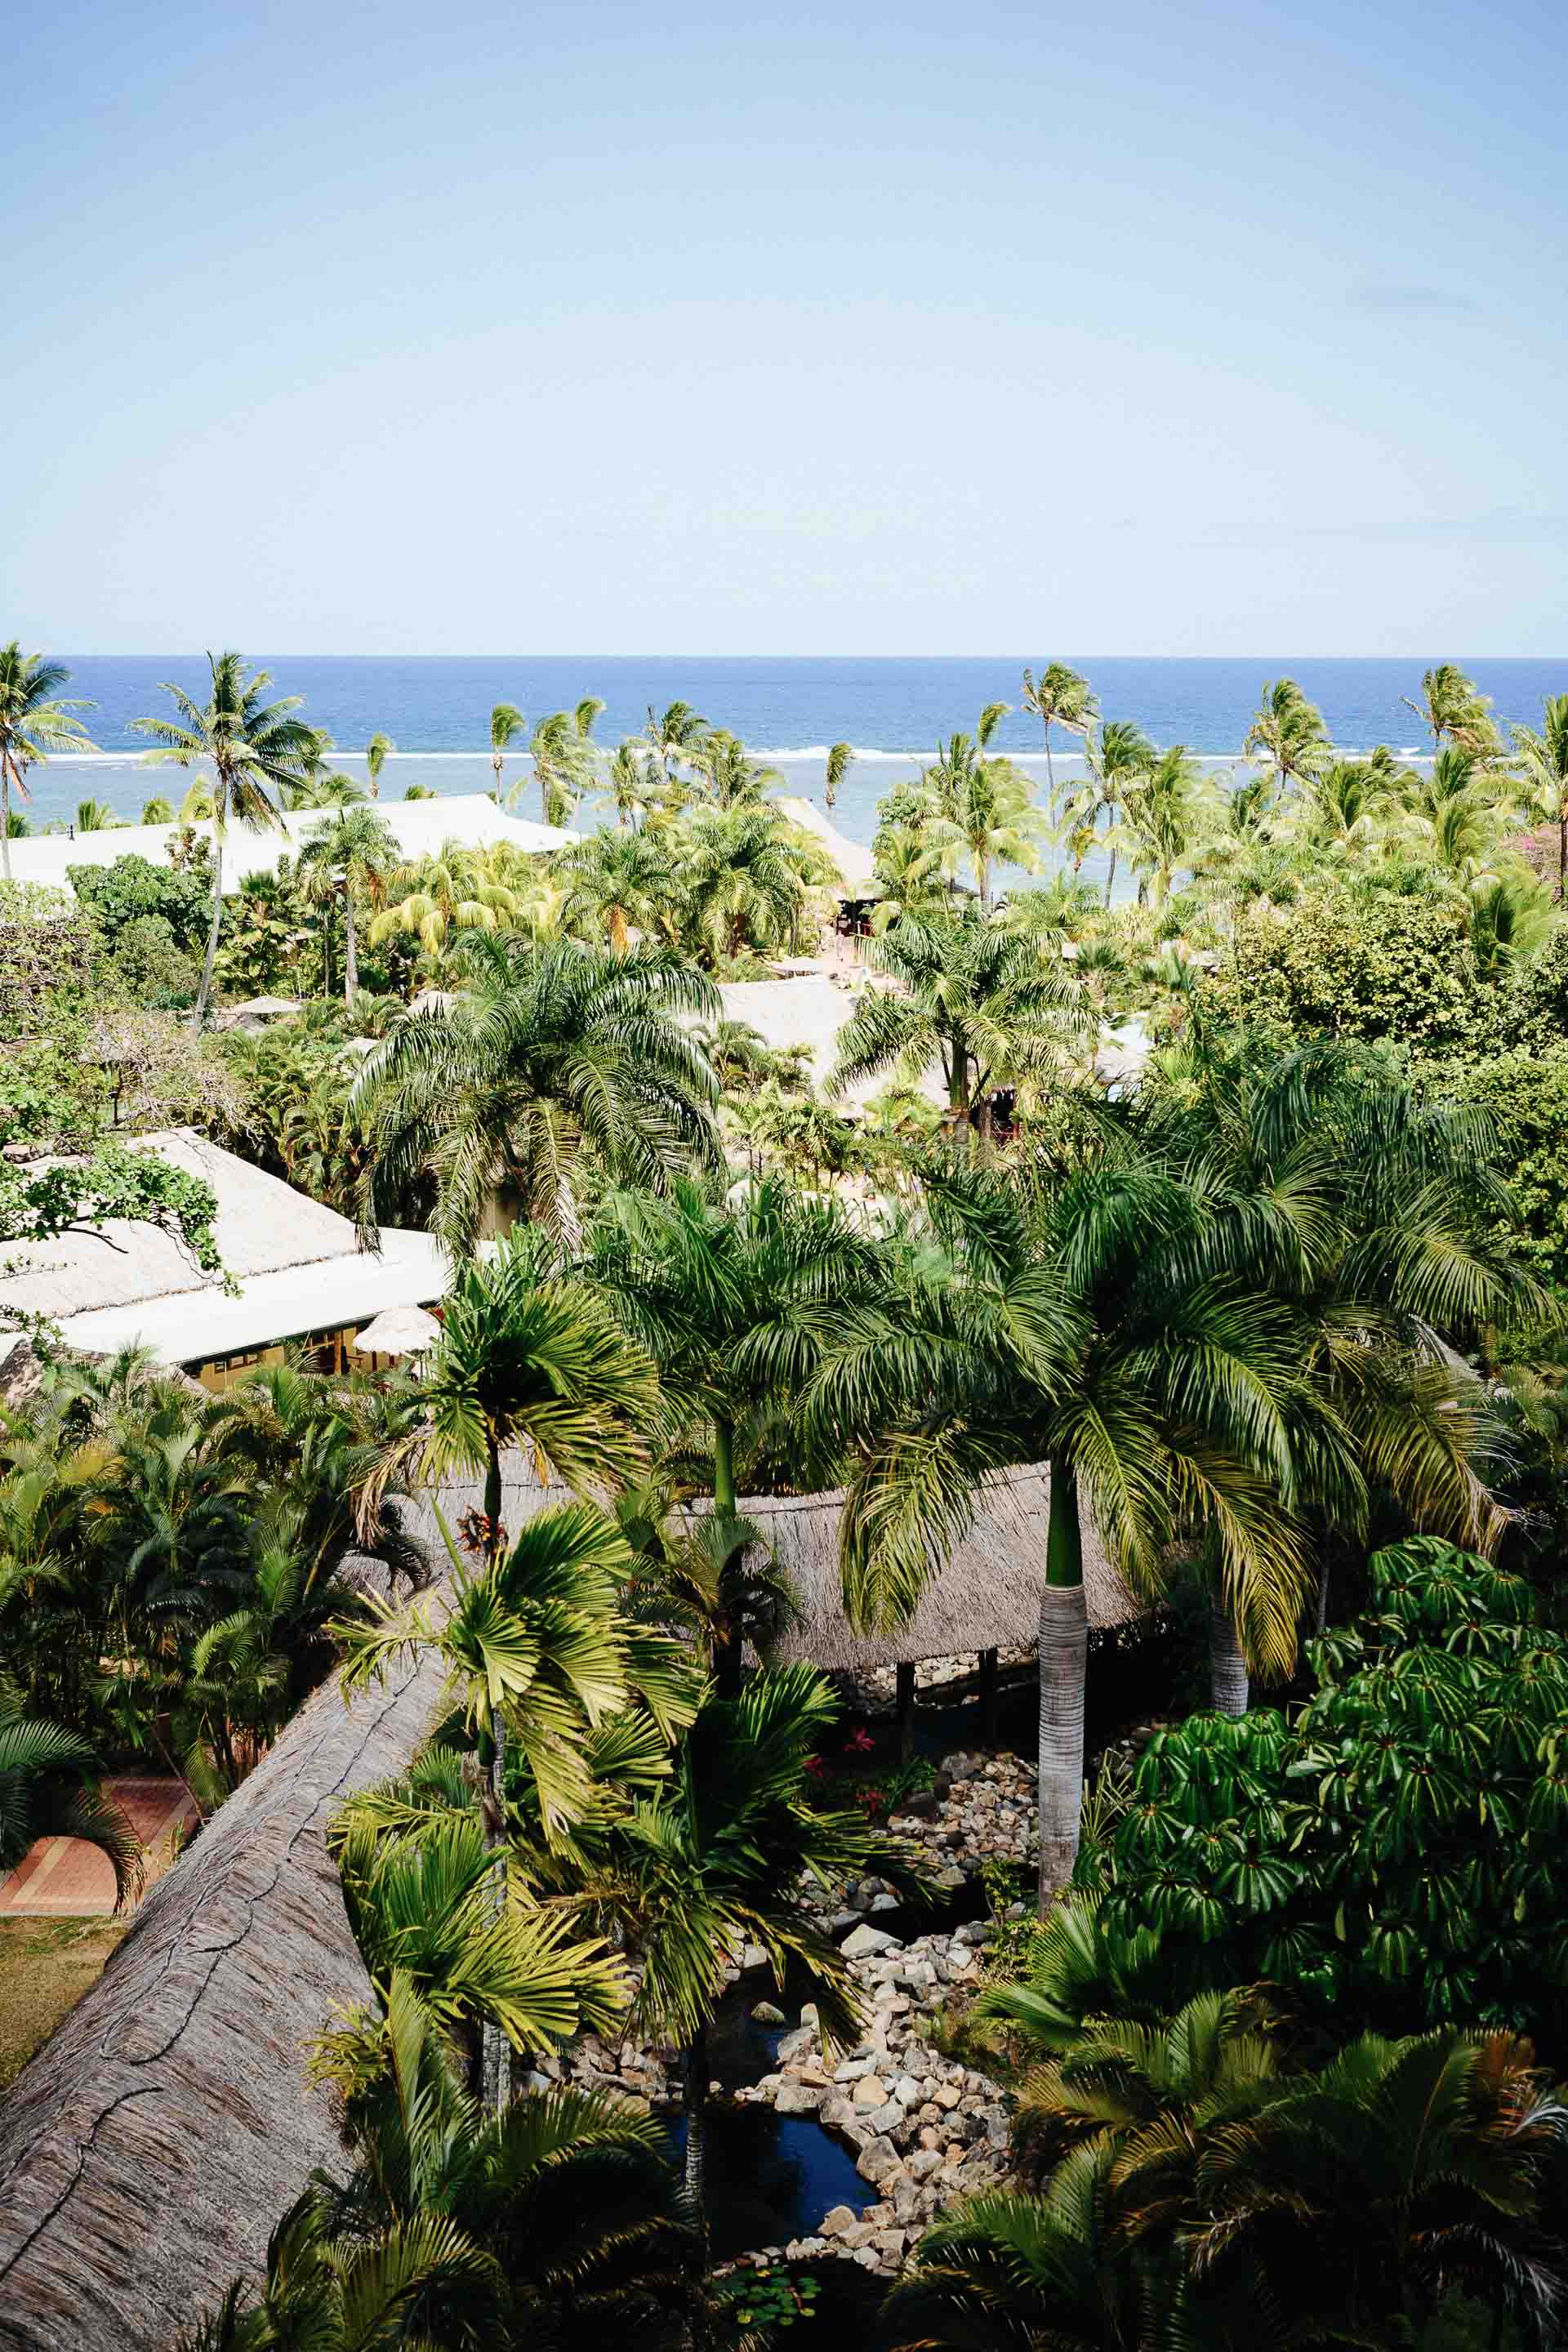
[420, 828]
[191, 1327]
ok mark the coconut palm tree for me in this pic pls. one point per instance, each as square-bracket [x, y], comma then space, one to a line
[562, 748]
[1060, 698]
[157, 811]
[506, 723]
[1063, 1324]
[746, 876]
[375, 757]
[354, 852]
[630, 785]
[34, 722]
[840, 760]
[257, 751]
[715, 1580]
[1170, 808]
[459, 889]
[981, 811]
[1288, 736]
[1544, 757]
[983, 1004]
[731, 777]
[1456, 712]
[495, 1092]
[674, 734]
[1118, 757]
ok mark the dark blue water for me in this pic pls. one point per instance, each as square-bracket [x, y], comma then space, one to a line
[437, 710]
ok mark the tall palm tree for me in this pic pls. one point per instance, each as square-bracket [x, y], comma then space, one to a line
[630, 787]
[1119, 757]
[983, 1004]
[1060, 698]
[1169, 813]
[746, 876]
[257, 749]
[731, 777]
[730, 1296]
[840, 760]
[354, 852]
[506, 723]
[495, 1092]
[562, 749]
[375, 757]
[1288, 735]
[1065, 1325]
[618, 882]
[1544, 757]
[34, 722]
[1456, 711]
[674, 734]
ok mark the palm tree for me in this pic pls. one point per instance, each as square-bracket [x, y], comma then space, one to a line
[840, 760]
[1170, 808]
[1544, 757]
[34, 722]
[730, 1296]
[256, 749]
[618, 882]
[724, 1853]
[981, 811]
[746, 875]
[1118, 758]
[495, 1091]
[1454, 710]
[675, 734]
[562, 749]
[353, 852]
[1060, 698]
[1288, 735]
[713, 1580]
[460, 889]
[731, 777]
[1064, 1325]
[157, 811]
[506, 723]
[45, 1791]
[630, 780]
[1408, 2172]
[375, 755]
[986, 1005]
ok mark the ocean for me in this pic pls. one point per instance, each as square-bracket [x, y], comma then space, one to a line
[436, 711]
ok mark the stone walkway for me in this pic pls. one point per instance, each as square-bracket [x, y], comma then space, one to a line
[65, 1878]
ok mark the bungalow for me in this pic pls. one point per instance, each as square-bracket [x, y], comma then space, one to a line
[296, 1275]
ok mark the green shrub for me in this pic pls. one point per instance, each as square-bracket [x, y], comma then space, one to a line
[1394, 968]
[134, 887]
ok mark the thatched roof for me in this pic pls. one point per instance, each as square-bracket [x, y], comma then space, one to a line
[986, 1598]
[148, 2150]
[856, 866]
[810, 1011]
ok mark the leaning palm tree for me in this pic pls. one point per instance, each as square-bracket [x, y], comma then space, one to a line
[257, 751]
[1456, 710]
[34, 722]
[1288, 736]
[981, 814]
[674, 734]
[494, 1092]
[565, 763]
[354, 852]
[506, 723]
[1118, 758]
[1060, 698]
[1064, 1325]
[1544, 757]
[731, 777]
[840, 760]
[376, 756]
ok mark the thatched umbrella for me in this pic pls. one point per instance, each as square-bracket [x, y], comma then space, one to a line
[148, 2150]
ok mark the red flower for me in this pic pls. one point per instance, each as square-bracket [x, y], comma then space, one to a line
[860, 1743]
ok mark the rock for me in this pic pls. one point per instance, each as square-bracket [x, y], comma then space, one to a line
[908, 2092]
[863, 1942]
[797, 2099]
[884, 1902]
[890, 2241]
[923, 2162]
[951, 1878]
[838, 2114]
[753, 1957]
[793, 2045]
[886, 2120]
[879, 2161]
[870, 2091]
[836, 2224]
[852, 2070]
[808, 2014]
[766, 2013]
[948, 2094]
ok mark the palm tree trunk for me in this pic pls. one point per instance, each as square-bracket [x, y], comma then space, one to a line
[724, 1466]
[1063, 1656]
[350, 957]
[495, 2053]
[1228, 1667]
[694, 2098]
[1561, 854]
[205, 991]
[6, 815]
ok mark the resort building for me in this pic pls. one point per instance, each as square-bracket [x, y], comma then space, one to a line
[296, 1274]
[420, 828]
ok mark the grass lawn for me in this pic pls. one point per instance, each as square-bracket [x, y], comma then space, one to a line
[46, 1966]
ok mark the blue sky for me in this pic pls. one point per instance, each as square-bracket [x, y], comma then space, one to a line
[595, 328]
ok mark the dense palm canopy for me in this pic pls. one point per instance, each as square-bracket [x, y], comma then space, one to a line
[494, 1093]
[353, 852]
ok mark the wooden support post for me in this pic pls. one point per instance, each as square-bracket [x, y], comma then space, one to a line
[988, 1698]
[906, 1710]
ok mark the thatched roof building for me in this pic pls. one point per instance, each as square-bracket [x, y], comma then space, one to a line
[148, 2150]
[986, 1598]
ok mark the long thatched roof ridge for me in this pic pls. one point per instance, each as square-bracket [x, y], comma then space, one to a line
[986, 1598]
[149, 2147]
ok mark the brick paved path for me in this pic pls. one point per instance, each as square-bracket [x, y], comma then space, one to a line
[64, 1878]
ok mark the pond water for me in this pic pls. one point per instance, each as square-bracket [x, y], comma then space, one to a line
[770, 2177]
